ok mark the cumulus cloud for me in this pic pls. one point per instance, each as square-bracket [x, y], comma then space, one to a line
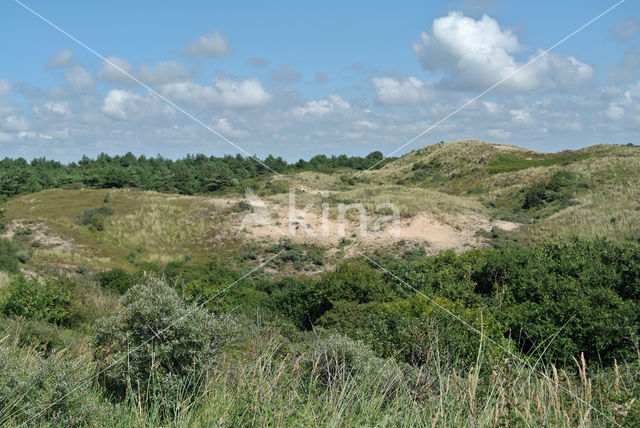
[321, 108]
[499, 133]
[112, 71]
[562, 72]
[224, 126]
[409, 90]
[224, 92]
[626, 29]
[15, 123]
[61, 59]
[615, 112]
[521, 117]
[52, 110]
[129, 106]
[474, 54]
[118, 102]
[79, 79]
[285, 74]
[209, 45]
[163, 72]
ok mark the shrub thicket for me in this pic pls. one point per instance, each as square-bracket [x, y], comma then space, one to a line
[8, 256]
[158, 346]
[49, 301]
[116, 280]
[94, 217]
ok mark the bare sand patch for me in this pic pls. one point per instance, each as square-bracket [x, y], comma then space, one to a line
[42, 234]
[457, 232]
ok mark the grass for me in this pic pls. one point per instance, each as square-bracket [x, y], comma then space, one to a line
[153, 226]
[267, 383]
[410, 201]
[511, 162]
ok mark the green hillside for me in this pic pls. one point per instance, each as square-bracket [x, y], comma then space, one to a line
[510, 296]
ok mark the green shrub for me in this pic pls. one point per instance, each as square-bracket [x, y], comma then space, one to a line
[117, 280]
[354, 281]
[300, 256]
[561, 187]
[536, 196]
[157, 346]
[49, 301]
[8, 256]
[241, 206]
[95, 217]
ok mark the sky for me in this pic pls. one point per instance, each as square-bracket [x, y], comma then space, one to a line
[296, 79]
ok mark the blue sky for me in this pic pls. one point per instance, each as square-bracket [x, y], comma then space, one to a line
[296, 79]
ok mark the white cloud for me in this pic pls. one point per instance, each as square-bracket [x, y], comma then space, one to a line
[614, 112]
[207, 46]
[223, 126]
[492, 107]
[61, 59]
[521, 117]
[367, 124]
[410, 90]
[15, 123]
[475, 54]
[52, 110]
[320, 108]
[5, 87]
[562, 72]
[129, 106]
[499, 133]
[163, 72]
[79, 79]
[224, 92]
[117, 102]
[112, 71]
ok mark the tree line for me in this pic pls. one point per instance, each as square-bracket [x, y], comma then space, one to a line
[192, 174]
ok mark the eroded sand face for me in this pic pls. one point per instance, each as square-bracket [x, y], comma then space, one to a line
[457, 232]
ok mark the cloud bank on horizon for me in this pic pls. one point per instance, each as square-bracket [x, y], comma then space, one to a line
[289, 105]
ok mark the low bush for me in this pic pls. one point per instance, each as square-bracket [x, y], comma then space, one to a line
[561, 187]
[158, 346]
[94, 217]
[118, 281]
[48, 301]
[9, 260]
